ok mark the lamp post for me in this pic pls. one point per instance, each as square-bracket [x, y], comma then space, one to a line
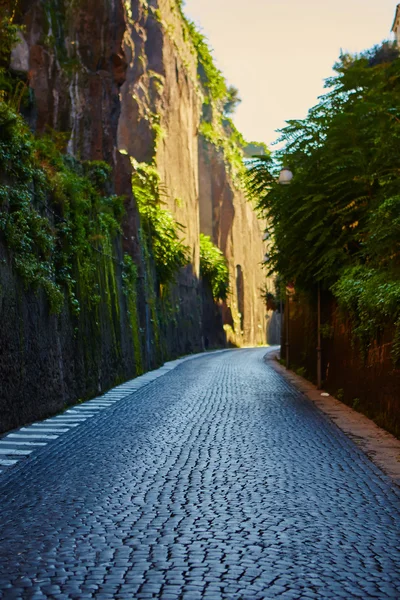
[285, 178]
[281, 309]
[287, 330]
[319, 349]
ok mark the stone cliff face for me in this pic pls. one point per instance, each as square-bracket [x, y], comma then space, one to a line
[76, 64]
[227, 217]
[118, 80]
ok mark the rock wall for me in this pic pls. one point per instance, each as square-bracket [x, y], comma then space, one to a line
[227, 217]
[160, 113]
[48, 362]
[117, 80]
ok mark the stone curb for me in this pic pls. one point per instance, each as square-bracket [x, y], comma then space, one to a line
[381, 447]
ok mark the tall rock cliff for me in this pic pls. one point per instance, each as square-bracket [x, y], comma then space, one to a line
[227, 217]
[113, 81]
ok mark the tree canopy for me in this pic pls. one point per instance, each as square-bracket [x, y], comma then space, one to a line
[338, 223]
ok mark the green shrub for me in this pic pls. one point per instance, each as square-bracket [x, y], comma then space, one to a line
[213, 268]
[372, 300]
[163, 233]
[301, 372]
[340, 394]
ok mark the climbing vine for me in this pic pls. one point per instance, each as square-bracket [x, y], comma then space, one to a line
[163, 233]
[13, 85]
[213, 268]
[129, 286]
[57, 217]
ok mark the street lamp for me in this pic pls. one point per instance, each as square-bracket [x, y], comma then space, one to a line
[319, 348]
[285, 178]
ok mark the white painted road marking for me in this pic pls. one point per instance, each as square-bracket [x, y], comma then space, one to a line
[45, 430]
[14, 443]
[106, 402]
[69, 419]
[12, 451]
[49, 424]
[39, 436]
[64, 422]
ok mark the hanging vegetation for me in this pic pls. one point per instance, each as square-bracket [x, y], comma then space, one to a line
[339, 221]
[164, 234]
[56, 214]
[213, 268]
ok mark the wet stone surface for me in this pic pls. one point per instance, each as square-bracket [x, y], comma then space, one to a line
[217, 481]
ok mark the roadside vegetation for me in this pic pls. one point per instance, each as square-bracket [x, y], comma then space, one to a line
[213, 268]
[57, 213]
[338, 223]
[162, 232]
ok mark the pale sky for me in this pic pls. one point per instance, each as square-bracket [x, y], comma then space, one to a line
[278, 52]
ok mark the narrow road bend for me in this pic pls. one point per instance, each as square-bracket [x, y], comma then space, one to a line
[216, 481]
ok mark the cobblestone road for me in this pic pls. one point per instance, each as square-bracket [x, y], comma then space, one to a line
[217, 481]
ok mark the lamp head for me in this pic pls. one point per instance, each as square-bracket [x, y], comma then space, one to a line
[285, 176]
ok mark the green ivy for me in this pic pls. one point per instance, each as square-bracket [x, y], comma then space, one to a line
[163, 233]
[230, 141]
[8, 34]
[13, 86]
[213, 268]
[57, 217]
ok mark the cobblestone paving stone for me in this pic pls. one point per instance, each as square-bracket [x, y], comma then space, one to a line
[217, 481]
